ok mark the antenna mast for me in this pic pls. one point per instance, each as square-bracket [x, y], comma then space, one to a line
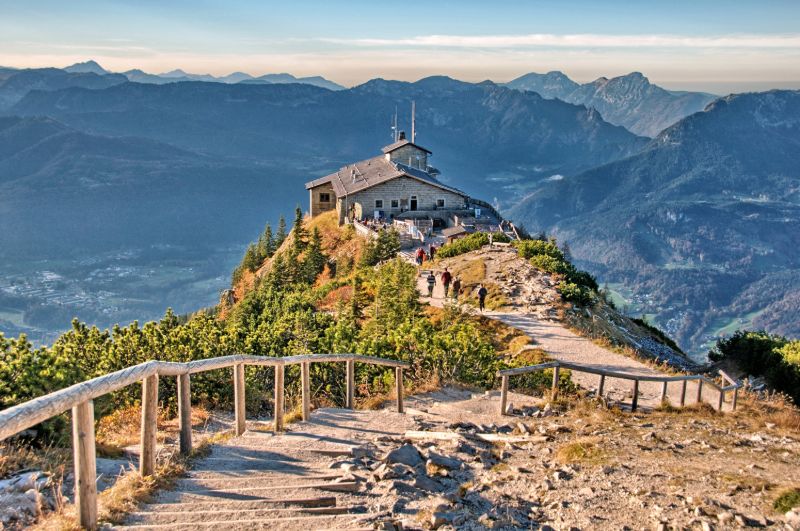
[413, 121]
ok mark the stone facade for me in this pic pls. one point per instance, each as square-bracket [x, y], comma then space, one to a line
[317, 199]
[402, 194]
[410, 156]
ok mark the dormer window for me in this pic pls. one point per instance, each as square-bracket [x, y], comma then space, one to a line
[324, 197]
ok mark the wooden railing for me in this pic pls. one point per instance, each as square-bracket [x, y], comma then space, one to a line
[80, 399]
[635, 379]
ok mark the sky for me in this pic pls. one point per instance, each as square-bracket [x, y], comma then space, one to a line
[717, 46]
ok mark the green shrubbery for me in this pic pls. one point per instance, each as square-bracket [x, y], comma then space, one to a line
[762, 354]
[578, 286]
[471, 242]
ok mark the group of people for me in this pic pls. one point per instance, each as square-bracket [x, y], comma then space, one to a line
[421, 256]
[449, 281]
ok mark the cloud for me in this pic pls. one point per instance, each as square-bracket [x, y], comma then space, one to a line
[546, 40]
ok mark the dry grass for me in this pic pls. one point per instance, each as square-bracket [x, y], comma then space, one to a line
[16, 456]
[787, 500]
[584, 450]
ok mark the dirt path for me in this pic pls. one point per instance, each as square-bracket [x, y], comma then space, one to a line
[564, 345]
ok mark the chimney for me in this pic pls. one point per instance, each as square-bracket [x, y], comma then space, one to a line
[402, 135]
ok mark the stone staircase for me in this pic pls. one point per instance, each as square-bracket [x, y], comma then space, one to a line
[292, 480]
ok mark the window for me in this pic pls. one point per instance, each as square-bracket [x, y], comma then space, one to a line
[395, 203]
[440, 203]
[324, 197]
[379, 203]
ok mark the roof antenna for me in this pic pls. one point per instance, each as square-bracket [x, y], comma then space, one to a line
[413, 122]
[395, 132]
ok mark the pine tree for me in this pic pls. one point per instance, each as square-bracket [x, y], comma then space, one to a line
[315, 259]
[567, 252]
[251, 261]
[299, 232]
[281, 235]
[266, 244]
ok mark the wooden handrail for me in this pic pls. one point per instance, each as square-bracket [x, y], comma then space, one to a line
[636, 378]
[80, 398]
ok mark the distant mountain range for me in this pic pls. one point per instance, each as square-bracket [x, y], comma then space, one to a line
[630, 101]
[505, 144]
[705, 220]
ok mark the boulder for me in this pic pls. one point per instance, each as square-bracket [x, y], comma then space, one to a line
[406, 455]
[449, 463]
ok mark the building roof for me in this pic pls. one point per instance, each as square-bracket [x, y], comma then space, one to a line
[404, 142]
[368, 173]
[449, 232]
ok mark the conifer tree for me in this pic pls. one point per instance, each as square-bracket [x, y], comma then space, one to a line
[266, 244]
[299, 232]
[251, 261]
[315, 259]
[280, 236]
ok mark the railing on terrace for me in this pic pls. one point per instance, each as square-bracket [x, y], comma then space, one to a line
[80, 399]
[635, 378]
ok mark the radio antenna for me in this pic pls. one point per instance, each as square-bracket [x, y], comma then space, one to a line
[413, 121]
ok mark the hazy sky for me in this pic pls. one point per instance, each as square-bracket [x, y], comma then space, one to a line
[720, 46]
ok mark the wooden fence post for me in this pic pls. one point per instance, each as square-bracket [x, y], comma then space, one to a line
[239, 398]
[699, 391]
[350, 369]
[398, 372]
[503, 395]
[554, 391]
[83, 451]
[721, 399]
[683, 393]
[735, 398]
[185, 413]
[635, 402]
[663, 392]
[601, 386]
[147, 457]
[306, 381]
[279, 397]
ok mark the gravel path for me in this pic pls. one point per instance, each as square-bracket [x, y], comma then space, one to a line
[564, 345]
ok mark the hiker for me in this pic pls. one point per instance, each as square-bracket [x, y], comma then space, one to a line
[456, 288]
[482, 297]
[431, 283]
[420, 256]
[446, 279]
[432, 251]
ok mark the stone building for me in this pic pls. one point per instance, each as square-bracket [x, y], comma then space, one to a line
[397, 185]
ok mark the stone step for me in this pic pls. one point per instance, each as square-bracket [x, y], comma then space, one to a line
[262, 503]
[349, 522]
[222, 481]
[232, 515]
[258, 472]
[254, 493]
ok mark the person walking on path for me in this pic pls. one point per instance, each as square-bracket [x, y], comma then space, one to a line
[431, 283]
[446, 279]
[482, 292]
[420, 256]
[456, 288]
[432, 250]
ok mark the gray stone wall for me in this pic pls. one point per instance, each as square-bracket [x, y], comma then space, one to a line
[401, 190]
[408, 155]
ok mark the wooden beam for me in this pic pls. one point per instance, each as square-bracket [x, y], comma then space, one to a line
[554, 391]
[601, 386]
[306, 382]
[278, 398]
[185, 413]
[503, 394]
[663, 392]
[147, 456]
[239, 399]
[350, 370]
[635, 402]
[699, 391]
[398, 376]
[721, 400]
[83, 451]
[683, 393]
[735, 399]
